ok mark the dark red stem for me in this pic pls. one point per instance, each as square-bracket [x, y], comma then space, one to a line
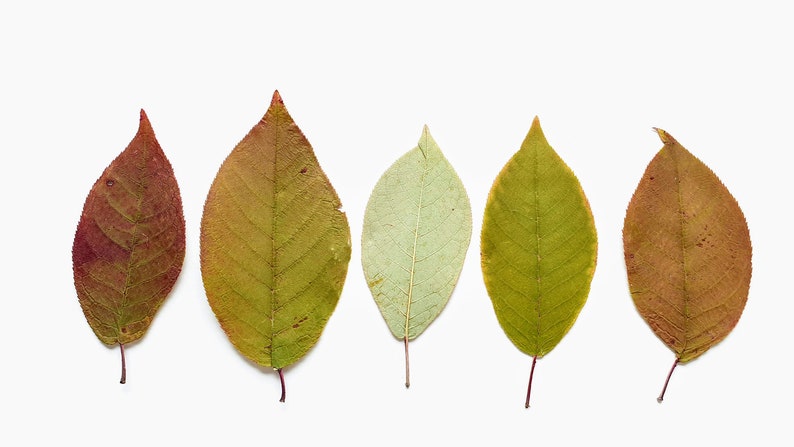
[283, 388]
[661, 396]
[123, 365]
[529, 387]
[407, 369]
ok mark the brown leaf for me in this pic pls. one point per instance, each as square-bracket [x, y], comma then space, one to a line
[687, 251]
[130, 242]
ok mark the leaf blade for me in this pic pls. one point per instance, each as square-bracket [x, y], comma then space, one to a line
[274, 243]
[418, 216]
[129, 246]
[538, 246]
[687, 252]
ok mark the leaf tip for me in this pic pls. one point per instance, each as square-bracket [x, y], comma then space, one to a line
[664, 136]
[425, 140]
[535, 131]
[144, 125]
[276, 98]
[535, 127]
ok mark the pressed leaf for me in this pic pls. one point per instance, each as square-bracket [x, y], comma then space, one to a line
[130, 242]
[687, 251]
[275, 245]
[417, 229]
[538, 247]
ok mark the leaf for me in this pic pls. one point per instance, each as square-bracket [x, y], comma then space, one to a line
[538, 247]
[687, 251]
[417, 229]
[130, 242]
[274, 244]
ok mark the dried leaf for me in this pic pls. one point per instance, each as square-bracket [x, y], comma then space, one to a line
[538, 247]
[417, 228]
[130, 242]
[687, 251]
[274, 244]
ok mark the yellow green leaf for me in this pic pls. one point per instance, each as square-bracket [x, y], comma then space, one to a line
[275, 245]
[417, 229]
[687, 251]
[538, 247]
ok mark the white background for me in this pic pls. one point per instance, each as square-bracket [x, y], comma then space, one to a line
[361, 81]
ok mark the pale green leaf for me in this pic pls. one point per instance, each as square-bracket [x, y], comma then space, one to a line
[275, 245]
[538, 246]
[417, 229]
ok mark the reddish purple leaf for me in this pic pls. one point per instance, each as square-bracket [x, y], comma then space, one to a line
[130, 242]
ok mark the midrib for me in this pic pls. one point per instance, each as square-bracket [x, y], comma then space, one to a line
[134, 238]
[416, 240]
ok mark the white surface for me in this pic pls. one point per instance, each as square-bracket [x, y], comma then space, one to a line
[361, 80]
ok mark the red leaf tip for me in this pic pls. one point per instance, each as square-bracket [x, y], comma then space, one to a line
[145, 125]
[276, 98]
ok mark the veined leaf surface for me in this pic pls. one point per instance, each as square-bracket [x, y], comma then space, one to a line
[275, 245]
[538, 247]
[417, 229]
[130, 242]
[687, 251]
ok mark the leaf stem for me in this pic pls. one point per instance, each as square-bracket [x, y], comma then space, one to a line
[667, 381]
[529, 387]
[123, 365]
[407, 369]
[283, 388]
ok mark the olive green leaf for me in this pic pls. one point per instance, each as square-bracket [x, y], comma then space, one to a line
[538, 247]
[130, 242]
[275, 245]
[688, 253]
[417, 229]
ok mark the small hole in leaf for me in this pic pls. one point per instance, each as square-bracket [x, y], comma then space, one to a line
[110, 182]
